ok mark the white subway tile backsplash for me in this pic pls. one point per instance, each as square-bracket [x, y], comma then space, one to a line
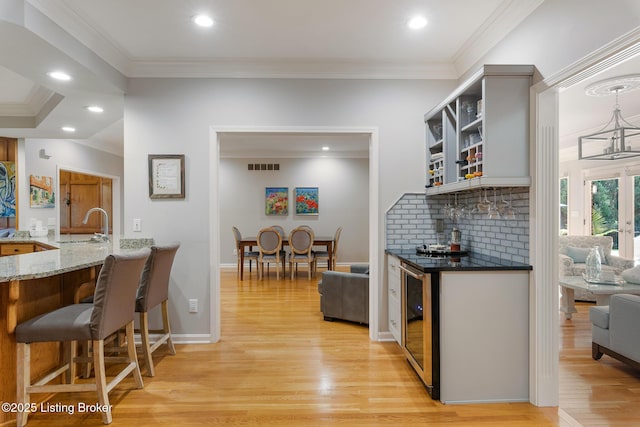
[411, 222]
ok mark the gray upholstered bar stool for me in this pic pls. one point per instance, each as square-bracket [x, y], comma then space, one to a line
[153, 291]
[113, 308]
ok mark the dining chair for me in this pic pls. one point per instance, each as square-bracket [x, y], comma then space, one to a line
[270, 246]
[325, 254]
[301, 243]
[113, 308]
[250, 255]
[153, 291]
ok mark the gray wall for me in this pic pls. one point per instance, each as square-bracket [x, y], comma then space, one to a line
[174, 116]
[343, 193]
[64, 154]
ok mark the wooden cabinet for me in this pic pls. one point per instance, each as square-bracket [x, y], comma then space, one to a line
[16, 248]
[79, 193]
[479, 135]
[394, 298]
[7, 249]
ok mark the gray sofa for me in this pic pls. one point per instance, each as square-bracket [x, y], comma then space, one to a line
[614, 329]
[573, 252]
[345, 296]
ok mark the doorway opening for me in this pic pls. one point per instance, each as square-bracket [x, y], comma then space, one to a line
[217, 133]
[77, 189]
[80, 192]
[544, 368]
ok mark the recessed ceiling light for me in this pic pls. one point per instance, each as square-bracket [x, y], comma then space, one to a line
[59, 75]
[68, 129]
[203, 20]
[95, 109]
[417, 22]
[325, 148]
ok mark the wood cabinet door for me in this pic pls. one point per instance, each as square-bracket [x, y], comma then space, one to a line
[79, 193]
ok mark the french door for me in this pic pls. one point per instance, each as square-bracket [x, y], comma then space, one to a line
[614, 203]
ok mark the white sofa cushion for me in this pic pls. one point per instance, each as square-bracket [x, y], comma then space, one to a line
[632, 275]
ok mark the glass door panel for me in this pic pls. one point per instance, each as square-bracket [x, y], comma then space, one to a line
[604, 210]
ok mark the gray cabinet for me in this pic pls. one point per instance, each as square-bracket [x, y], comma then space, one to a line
[394, 297]
[479, 135]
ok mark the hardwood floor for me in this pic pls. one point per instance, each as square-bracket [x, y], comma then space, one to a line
[605, 392]
[279, 364]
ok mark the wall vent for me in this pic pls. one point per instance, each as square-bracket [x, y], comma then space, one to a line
[263, 166]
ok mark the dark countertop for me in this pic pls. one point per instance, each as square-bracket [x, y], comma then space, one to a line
[471, 262]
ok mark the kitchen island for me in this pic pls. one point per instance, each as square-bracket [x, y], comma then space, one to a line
[35, 283]
[464, 324]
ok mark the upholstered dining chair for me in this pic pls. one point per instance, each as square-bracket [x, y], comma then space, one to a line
[270, 245]
[301, 243]
[113, 308]
[283, 234]
[250, 255]
[153, 291]
[325, 254]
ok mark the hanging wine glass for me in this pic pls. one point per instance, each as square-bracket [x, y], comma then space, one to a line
[483, 206]
[493, 208]
[509, 211]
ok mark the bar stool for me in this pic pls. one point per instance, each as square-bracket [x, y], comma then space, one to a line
[113, 308]
[153, 291]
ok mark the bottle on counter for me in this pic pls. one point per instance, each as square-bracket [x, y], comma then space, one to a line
[456, 237]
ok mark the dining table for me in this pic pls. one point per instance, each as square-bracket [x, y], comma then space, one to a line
[250, 242]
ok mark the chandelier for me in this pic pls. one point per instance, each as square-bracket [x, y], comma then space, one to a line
[618, 139]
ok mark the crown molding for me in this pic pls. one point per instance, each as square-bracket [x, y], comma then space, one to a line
[289, 69]
[84, 31]
[33, 103]
[504, 19]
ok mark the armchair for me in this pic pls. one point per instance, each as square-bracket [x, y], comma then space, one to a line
[614, 329]
[573, 251]
[345, 295]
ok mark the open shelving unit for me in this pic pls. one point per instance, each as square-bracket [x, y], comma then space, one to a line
[479, 135]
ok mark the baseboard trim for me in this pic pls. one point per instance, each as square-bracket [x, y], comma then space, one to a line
[385, 336]
[191, 338]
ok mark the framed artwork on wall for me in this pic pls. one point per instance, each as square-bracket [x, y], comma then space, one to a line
[41, 192]
[7, 189]
[276, 201]
[306, 200]
[166, 176]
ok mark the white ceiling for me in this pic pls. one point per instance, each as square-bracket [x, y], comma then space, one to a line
[102, 43]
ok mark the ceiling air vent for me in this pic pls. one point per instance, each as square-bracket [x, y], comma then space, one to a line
[263, 166]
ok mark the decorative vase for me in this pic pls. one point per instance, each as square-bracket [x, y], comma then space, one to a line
[594, 264]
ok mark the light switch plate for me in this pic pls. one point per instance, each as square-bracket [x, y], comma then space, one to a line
[137, 224]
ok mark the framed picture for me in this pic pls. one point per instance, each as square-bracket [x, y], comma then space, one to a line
[306, 200]
[41, 192]
[166, 176]
[276, 201]
[7, 189]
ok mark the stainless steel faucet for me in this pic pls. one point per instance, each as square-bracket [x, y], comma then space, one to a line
[105, 235]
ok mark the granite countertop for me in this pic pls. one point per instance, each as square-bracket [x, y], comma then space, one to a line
[71, 255]
[471, 262]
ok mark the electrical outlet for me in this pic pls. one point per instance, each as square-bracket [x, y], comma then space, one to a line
[235, 252]
[193, 306]
[137, 224]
